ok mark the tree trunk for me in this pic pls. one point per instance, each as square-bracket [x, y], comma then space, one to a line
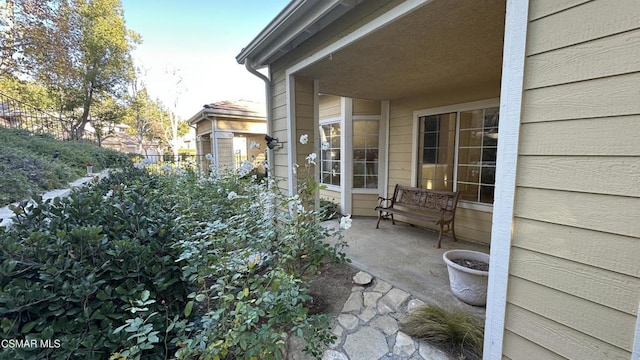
[86, 109]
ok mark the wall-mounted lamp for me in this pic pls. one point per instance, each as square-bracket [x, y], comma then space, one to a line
[273, 143]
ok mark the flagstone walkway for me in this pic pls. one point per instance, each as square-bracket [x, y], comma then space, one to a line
[368, 326]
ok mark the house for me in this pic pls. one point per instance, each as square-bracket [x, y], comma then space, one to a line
[232, 132]
[436, 83]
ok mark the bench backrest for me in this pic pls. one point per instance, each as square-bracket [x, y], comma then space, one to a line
[419, 198]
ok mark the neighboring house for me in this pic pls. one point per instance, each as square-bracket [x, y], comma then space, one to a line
[411, 92]
[228, 129]
[116, 137]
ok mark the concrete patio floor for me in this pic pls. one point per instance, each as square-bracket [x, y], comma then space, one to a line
[406, 257]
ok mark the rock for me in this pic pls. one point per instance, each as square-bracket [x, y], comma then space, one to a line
[334, 355]
[386, 323]
[414, 304]
[394, 298]
[382, 286]
[429, 352]
[362, 278]
[348, 321]
[371, 298]
[404, 345]
[354, 302]
[366, 344]
[367, 314]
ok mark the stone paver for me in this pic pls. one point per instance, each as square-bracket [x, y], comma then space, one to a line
[404, 345]
[362, 278]
[354, 302]
[366, 343]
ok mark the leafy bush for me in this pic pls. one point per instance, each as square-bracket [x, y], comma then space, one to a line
[454, 331]
[72, 266]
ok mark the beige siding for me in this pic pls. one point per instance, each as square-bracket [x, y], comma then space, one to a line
[225, 153]
[330, 106]
[241, 125]
[576, 234]
[203, 127]
[363, 204]
[366, 107]
[279, 128]
[304, 98]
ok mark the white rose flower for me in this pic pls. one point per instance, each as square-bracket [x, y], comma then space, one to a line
[311, 158]
[304, 138]
[325, 145]
[232, 195]
[345, 222]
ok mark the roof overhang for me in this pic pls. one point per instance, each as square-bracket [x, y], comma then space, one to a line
[297, 22]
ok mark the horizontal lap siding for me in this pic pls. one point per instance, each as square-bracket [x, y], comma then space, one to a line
[279, 129]
[304, 120]
[364, 204]
[574, 274]
[329, 107]
[203, 127]
[330, 195]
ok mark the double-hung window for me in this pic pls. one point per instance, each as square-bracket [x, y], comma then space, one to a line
[457, 151]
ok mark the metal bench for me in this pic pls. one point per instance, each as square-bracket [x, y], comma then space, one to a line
[434, 206]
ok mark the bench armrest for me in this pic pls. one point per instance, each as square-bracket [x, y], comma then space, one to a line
[446, 214]
[384, 203]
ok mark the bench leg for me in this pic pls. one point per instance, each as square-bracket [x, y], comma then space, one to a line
[392, 220]
[453, 232]
[440, 236]
[379, 218]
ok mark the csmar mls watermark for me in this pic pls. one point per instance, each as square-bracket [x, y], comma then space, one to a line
[30, 344]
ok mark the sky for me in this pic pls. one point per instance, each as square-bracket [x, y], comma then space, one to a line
[199, 40]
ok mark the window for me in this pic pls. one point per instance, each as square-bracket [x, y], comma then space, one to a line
[466, 163]
[436, 154]
[477, 150]
[365, 154]
[330, 154]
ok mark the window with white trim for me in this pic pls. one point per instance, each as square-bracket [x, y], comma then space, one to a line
[365, 154]
[457, 151]
[330, 154]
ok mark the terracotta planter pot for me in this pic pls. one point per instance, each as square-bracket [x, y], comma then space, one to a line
[467, 284]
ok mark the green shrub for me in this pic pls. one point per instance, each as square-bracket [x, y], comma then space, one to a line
[454, 331]
[72, 267]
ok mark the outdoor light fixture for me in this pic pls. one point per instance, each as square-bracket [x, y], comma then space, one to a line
[273, 143]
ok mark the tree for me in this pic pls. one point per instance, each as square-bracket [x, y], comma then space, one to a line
[171, 132]
[82, 53]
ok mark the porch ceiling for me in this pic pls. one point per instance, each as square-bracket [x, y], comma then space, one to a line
[443, 46]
